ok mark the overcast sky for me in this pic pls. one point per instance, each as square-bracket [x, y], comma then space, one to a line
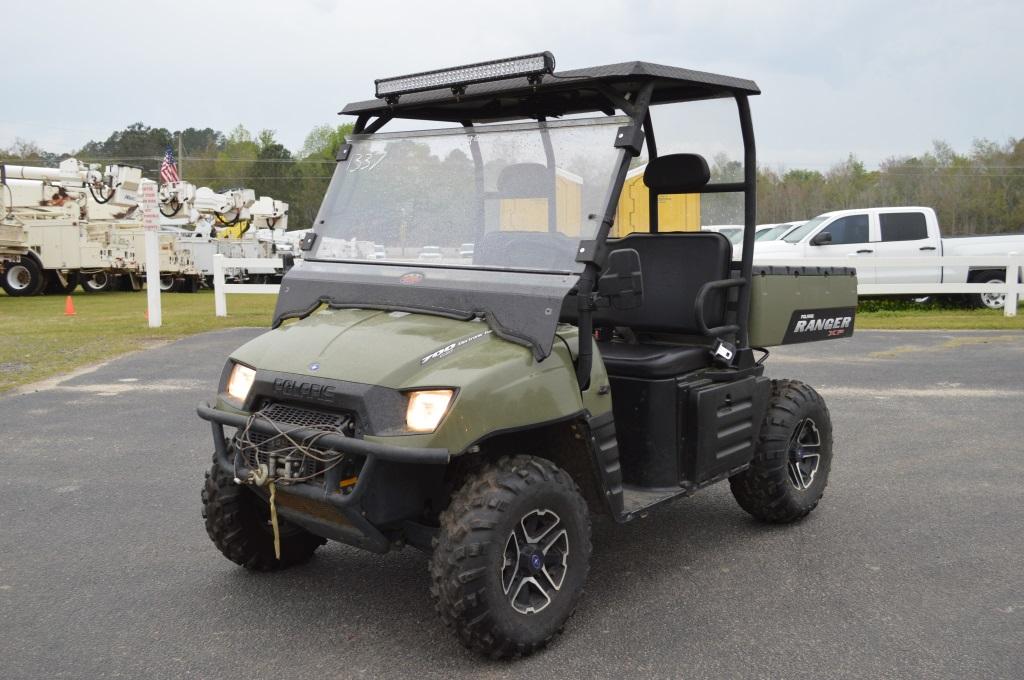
[876, 79]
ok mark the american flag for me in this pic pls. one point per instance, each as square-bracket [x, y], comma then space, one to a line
[169, 168]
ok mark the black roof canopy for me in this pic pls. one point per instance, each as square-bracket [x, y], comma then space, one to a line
[584, 90]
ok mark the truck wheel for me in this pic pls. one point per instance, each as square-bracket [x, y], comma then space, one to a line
[512, 556]
[989, 300]
[54, 285]
[97, 282]
[23, 278]
[238, 522]
[168, 284]
[792, 457]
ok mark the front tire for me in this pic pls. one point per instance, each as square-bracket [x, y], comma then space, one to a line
[512, 557]
[792, 457]
[23, 278]
[238, 523]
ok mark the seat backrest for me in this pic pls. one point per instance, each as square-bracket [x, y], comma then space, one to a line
[677, 173]
[525, 180]
[674, 267]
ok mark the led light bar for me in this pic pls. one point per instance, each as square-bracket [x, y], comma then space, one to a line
[527, 66]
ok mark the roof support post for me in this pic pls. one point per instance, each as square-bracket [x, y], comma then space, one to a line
[594, 252]
[652, 153]
[749, 221]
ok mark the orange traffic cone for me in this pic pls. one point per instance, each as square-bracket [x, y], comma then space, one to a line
[69, 307]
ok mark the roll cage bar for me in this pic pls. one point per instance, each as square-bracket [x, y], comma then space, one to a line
[631, 88]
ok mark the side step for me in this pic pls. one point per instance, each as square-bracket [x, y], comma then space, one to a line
[636, 500]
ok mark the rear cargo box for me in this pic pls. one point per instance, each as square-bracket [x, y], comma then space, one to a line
[801, 304]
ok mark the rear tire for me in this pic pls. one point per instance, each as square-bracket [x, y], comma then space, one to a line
[988, 300]
[512, 557]
[23, 278]
[97, 282]
[792, 457]
[238, 523]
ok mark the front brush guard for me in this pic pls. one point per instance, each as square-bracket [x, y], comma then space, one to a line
[360, 532]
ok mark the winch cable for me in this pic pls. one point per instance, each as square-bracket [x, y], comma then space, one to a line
[290, 446]
[304, 448]
[273, 519]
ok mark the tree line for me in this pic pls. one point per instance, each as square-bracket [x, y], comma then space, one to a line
[980, 191]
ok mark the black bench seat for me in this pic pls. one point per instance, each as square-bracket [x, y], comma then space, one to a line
[652, 361]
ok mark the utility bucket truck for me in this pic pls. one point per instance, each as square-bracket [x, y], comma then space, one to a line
[481, 407]
[75, 224]
[233, 223]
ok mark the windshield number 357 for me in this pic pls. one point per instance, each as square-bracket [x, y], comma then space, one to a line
[365, 161]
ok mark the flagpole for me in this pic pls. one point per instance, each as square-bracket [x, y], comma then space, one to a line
[181, 159]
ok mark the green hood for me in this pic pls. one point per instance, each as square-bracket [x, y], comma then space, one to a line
[500, 384]
[393, 349]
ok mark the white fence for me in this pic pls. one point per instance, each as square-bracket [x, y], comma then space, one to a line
[221, 289]
[1010, 264]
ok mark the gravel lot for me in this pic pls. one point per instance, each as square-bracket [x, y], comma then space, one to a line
[910, 568]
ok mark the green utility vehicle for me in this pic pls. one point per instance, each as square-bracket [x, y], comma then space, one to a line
[465, 362]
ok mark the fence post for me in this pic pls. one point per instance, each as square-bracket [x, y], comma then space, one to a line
[220, 299]
[1012, 286]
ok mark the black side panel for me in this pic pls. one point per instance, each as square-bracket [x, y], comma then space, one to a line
[722, 424]
[647, 425]
[606, 458]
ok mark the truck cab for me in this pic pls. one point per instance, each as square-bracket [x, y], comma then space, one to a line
[859, 236]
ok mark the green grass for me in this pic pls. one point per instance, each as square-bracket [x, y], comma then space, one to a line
[40, 342]
[887, 314]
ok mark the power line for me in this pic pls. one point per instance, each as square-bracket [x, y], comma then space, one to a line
[232, 177]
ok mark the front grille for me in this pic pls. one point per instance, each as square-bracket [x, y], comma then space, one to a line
[291, 462]
[304, 417]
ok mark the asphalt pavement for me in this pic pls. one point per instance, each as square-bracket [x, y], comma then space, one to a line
[911, 567]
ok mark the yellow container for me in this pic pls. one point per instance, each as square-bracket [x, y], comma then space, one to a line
[676, 212]
[531, 214]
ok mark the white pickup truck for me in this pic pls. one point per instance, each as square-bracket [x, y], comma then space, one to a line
[858, 236]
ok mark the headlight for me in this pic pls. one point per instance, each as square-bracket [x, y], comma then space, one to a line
[426, 409]
[240, 382]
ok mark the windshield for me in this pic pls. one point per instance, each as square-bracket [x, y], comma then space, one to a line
[513, 197]
[797, 234]
[773, 233]
[734, 235]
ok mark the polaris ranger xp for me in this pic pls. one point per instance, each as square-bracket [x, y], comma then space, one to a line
[467, 362]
